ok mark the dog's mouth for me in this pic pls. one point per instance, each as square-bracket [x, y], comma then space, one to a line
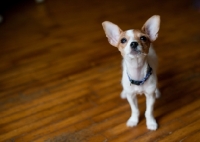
[136, 53]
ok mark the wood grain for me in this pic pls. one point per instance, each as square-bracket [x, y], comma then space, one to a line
[60, 78]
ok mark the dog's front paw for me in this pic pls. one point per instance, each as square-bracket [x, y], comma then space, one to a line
[132, 122]
[123, 94]
[151, 124]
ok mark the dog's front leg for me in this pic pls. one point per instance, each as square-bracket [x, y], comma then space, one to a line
[133, 120]
[150, 120]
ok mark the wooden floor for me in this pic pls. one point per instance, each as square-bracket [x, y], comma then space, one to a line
[60, 78]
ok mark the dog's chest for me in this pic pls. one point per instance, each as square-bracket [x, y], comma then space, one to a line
[134, 89]
[137, 89]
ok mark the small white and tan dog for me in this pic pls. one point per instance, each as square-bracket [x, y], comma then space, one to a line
[139, 66]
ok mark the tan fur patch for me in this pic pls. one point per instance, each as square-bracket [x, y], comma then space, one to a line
[121, 46]
[145, 44]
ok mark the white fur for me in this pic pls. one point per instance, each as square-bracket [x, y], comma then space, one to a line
[136, 66]
[137, 69]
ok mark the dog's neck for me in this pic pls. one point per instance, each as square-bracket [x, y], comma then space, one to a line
[136, 67]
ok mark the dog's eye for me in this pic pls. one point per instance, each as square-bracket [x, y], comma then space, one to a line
[143, 38]
[123, 40]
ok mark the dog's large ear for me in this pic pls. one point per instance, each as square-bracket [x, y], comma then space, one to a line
[112, 32]
[152, 26]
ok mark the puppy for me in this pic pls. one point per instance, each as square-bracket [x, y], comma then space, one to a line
[139, 66]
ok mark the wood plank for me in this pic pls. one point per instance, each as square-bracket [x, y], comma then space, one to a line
[182, 133]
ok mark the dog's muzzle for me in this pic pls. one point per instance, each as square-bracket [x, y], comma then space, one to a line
[134, 46]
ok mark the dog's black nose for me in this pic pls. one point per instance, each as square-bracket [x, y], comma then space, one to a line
[134, 45]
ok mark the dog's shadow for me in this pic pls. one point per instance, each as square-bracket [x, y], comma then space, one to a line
[174, 94]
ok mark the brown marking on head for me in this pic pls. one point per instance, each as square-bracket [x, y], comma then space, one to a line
[143, 40]
[121, 45]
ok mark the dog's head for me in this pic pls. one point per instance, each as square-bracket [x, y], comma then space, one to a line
[132, 43]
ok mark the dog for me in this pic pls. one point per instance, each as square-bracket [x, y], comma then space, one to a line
[139, 66]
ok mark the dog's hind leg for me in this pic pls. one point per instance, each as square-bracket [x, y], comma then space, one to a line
[123, 94]
[157, 93]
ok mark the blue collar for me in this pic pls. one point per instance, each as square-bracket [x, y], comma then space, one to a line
[136, 82]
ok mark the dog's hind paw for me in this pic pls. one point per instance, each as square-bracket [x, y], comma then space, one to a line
[123, 94]
[158, 94]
